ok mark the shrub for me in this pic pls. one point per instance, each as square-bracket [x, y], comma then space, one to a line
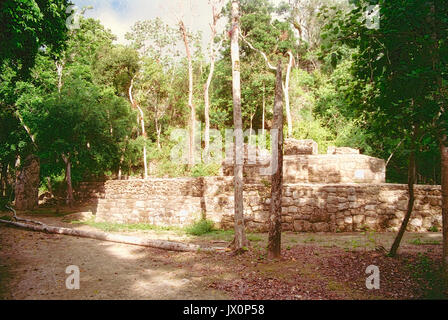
[433, 229]
[201, 227]
[204, 170]
[3, 203]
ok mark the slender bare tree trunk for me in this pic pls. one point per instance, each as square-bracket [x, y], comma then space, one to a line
[412, 169]
[158, 131]
[216, 16]
[3, 180]
[286, 93]
[142, 123]
[264, 109]
[275, 218]
[59, 69]
[240, 240]
[444, 167]
[191, 148]
[68, 178]
[443, 140]
[120, 173]
[251, 127]
[145, 160]
[50, 188]
[285, 87]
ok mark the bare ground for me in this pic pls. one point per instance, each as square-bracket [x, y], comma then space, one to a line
[313, 266]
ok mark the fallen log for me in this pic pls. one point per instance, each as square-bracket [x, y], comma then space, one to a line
[16, 218]
[98, 235]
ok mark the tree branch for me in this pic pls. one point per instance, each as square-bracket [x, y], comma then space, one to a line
[270, 66]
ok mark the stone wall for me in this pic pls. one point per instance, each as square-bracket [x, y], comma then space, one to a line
[306, 207]
[331, 168]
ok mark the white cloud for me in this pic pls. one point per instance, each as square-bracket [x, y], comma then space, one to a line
[120, 15]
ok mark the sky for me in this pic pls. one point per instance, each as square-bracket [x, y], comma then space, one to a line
[120, 15]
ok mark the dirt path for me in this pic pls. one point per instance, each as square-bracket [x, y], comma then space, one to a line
[32, 266]
[313, 266]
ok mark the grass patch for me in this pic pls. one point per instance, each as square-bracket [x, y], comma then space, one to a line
[254, 237]
[420, 242]
[7, 218]
[204, 229]
[201, 227]
[309, 239]
[115, 227]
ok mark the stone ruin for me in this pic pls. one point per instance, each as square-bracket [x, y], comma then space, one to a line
[303, 164]
[27, 184]
[341, 191]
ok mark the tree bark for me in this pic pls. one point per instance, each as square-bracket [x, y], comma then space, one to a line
[68, 178]
[285, 87]
[3, 180]
[411, 181]
[286, 92]
[142, 123]
[191, 149]
[160, 244]
[59, 69]
[216, 16]
[275, 218]
[240, 240]
[443, 140]
[444, 167]
[50, 188]
[264, 109]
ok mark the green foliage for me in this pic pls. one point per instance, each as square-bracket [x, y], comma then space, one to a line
[314, 129]
[27, 26]
[3, 203]
[398, 71]
[350, 86]
[433, 229]
[200, 228]
[419, 242]
[204, 170]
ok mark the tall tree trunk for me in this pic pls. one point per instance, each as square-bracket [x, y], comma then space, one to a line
[191, 149]
[141, 120]
[215, 15]
[120, 171]
[444, 167]
[3, 180]
[439, 96]
[158, 131]
[286, 92]
[50, 188]
[264, 109]
[411, 181]
[59, 69]
[68, 179]
[275, 218]
[240, 240]
[251, 127]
